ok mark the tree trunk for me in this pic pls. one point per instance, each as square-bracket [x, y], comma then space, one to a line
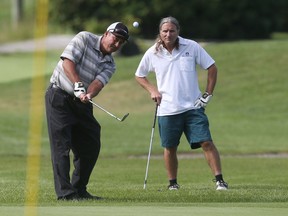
[16, 12]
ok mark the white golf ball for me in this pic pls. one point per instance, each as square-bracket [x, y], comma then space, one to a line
[135, 24]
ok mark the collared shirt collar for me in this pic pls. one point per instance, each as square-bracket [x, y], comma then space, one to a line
[97, 44]
[182, 42]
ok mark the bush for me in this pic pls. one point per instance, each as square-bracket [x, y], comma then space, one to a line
[130, 48]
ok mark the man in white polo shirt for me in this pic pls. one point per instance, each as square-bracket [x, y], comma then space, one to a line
[85, 67]
[181, 104]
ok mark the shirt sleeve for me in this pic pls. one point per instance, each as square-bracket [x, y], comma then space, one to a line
[74, 50]
[145, 65]
[106, 74]
[203, 58]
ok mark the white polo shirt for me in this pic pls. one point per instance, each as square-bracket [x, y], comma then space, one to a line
[176, 74]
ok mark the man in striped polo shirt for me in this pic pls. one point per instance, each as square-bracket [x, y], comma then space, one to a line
[85, 67]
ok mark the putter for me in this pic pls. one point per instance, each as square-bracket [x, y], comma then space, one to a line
[119, 119]
[150, 147]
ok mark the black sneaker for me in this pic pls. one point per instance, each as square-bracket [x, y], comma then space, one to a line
[73, 196]
[174, 186]
[221, 185]
[86, 195]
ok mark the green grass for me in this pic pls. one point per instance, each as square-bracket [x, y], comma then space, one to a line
[120, 180]
[248, 108]
[20, 66]
[199, 209]
[248, 115]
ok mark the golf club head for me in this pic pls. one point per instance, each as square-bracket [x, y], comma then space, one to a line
[124, 117]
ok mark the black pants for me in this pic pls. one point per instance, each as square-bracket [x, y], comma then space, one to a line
[71, 126]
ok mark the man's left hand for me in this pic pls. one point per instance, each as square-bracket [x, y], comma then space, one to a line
[203, 100]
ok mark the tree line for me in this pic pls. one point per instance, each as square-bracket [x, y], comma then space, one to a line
[202, 19]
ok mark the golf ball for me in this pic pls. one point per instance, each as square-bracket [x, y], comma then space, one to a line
[135, 24]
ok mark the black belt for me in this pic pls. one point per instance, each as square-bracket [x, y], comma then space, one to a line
[53, 85]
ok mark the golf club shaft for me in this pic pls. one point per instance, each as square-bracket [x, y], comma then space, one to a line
[150, 147]
[105, 110]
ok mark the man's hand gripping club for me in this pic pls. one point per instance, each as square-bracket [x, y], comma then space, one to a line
[80, 92]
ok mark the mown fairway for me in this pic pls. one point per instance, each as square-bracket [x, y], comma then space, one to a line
[248, 118]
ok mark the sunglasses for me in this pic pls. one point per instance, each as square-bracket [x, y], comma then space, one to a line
[117, 38]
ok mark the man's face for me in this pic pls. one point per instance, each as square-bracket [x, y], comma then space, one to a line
[168, 33]
[111, 43]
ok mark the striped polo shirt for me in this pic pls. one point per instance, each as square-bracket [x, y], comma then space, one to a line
[91, 64]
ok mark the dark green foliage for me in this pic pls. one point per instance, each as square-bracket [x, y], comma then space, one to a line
[209, 19]
[129, 49]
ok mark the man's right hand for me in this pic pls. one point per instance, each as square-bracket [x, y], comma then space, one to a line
[79, 89]
[156, 97]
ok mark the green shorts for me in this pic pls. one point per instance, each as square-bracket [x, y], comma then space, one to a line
[194, 124]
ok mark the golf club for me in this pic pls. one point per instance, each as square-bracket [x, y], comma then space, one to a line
[150, 147]
[122, 119]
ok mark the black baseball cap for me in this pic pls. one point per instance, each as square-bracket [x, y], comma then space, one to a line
[119, 29]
